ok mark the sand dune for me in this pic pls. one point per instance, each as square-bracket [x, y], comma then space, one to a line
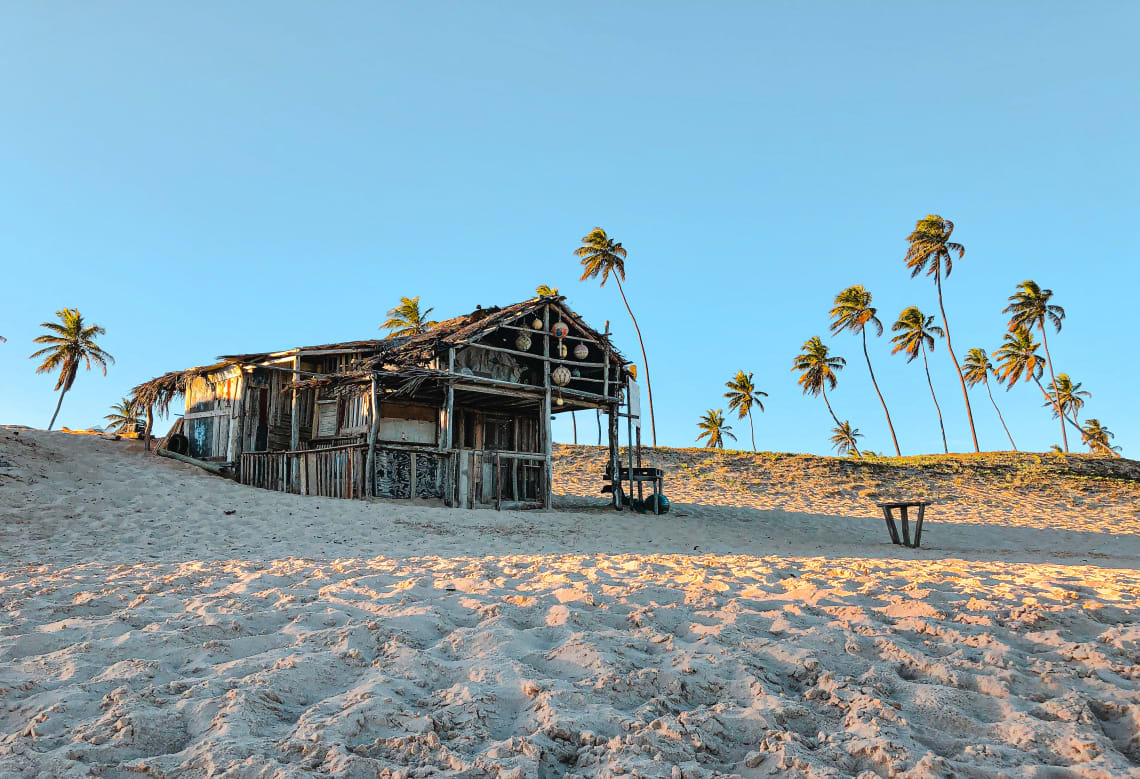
[146, 631]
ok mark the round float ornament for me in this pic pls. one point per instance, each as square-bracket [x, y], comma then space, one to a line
[522, 343]
[562, 351]
[560, 375]
[536, 324]
[581, 352]
[560, 329]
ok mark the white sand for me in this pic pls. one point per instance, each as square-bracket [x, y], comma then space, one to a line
[144, 630]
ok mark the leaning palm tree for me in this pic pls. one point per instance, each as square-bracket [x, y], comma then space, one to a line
[601, 256]
[543, 291]
[407, 319]
[853, 311]
[930, 250]
[742, 396]
[844, 439]
[124, 417]
[1067, 395]
[916, 333]
[1097, 438]
[817, 370]
[714, 429]
[977, 367]
[1018, 358]
[1029, 306]
[69, 342]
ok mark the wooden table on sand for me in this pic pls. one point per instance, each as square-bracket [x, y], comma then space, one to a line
[902, 507]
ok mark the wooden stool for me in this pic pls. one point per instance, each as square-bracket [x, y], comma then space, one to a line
[902, 507]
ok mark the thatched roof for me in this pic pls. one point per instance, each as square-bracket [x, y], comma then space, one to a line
[161, 391]
[419, 349]
[395, 361]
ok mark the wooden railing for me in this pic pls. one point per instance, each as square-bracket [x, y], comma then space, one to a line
[335, 472]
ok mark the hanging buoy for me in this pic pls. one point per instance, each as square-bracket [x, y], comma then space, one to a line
[581, 352]
[536, 324]
[560, 375]
[562, 350]
[522, 343]
[560, 330]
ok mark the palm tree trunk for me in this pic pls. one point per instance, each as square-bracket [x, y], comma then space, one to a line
[1056, 405]
[644, 359]
[957, 367]
[880, 394]
[941, 426]
[1000, 417]
[752, 428]
[829, 410]
[62, 392]
[598, 412]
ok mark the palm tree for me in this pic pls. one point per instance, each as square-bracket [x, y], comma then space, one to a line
[742, 396]
[69, 341]
[1096, 436]
[544, 291]
[407, 319]
[601, 256]
[930, 249]
[853, 311]
[817, 370]
[1018, 358]
[916, 333]
[1029, 306]
[977, 367]
[714, 429]
[1068, 396]
[844, 437]
[124, 417]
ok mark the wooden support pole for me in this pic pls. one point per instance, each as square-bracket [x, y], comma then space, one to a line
[149, 425]
[295, 410]
[233, 445]
[374, 429]
[548, 447]
[615, 462]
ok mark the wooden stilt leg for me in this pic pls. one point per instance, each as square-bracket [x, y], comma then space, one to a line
[905, 526]
[891, 525]
[918, 525]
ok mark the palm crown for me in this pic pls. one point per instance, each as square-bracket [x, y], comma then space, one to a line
[714, 429]
[817, 368]
[853, 311]
[742, 394]
[931, 249]
[1018, 357]
[407, 319]
[977, 367]
[915, 332]
[601, 256]
[1097, 437]
[124, 417]
[70, 342]
[1030, 306]
[845, 438]
[1068, 395]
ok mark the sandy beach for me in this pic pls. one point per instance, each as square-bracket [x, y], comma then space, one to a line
[160, 621]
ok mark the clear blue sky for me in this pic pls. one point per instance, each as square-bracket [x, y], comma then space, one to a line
[216, 177]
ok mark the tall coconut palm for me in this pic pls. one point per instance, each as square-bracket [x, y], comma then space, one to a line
[714, 429]
[407, 319]
[853, 311]
[1096, 437]
[1029, 306]
[543, 291]
[601, 256]
[124, 417]
[69, 342]
[1067, 395]
[977, 367]
[844, 439]
[930, 249]
[916, 333]
[818, 370]
[742, 396]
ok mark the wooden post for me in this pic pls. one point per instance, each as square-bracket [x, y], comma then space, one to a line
[548, 445]
[295, 409]
[233, 446]
[373, 431]
[615, 463]
[149, 425]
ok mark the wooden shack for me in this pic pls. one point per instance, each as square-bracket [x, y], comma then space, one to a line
[459, 414]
